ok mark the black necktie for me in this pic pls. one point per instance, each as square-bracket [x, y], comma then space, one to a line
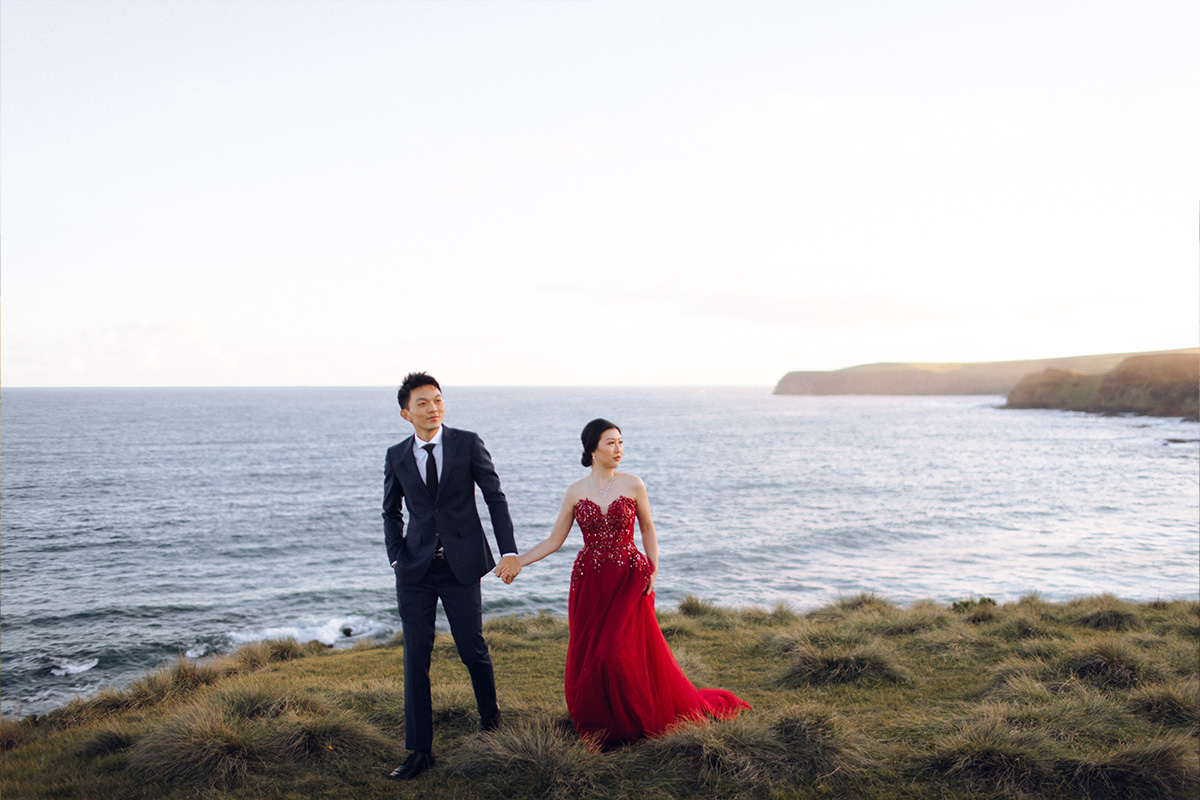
[430, 471]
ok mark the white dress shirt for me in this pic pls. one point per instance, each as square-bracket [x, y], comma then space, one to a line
[420, 454]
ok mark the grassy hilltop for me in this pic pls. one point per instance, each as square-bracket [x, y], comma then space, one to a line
[1096, 698]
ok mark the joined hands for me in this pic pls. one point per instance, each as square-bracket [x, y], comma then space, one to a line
[507, 569]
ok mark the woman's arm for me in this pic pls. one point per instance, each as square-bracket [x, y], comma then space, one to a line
[558, 534]
[646, 525]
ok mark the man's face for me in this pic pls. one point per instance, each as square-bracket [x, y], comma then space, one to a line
[425, 410]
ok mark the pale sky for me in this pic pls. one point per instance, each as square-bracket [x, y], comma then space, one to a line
[529, 192]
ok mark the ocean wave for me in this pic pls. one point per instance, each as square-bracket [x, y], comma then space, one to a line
[334, 631]
[62, 668]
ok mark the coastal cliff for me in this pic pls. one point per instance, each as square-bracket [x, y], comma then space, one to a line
[1157, 384]
[981, 377]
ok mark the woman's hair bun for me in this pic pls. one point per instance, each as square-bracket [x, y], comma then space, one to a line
[586, 460]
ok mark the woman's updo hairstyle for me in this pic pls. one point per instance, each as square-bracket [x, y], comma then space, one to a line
[591, 438]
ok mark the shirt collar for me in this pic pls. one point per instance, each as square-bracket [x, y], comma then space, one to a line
[436, 441]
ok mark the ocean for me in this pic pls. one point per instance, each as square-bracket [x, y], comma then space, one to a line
[139, 525]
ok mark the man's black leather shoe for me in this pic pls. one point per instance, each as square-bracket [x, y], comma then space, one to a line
[416, 764]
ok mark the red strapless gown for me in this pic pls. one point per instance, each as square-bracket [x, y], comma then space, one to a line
[622, 683]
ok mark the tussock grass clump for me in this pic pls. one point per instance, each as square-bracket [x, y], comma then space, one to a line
[1034, 605]
[871, 663]
[1176, 704]
[199, 744]
[736, 750]
[515, 630]
[539, 626]
[1182, 655]
[919, 617]
[296, 738]
[1109, 663]
[692, 606]
[1104, 613]
[537, 756]
[708, 613]
[817, 743]
[1038, 649]
[955, 644]
[513, 624]
[1021, 687]
[229, 731]
[1161, 769]
[258, 699]
[781, 614]
[1022, 625]
[1016, 671]
[256, 655]
[989, 752]
[1110, 619]
[676, 626]
[109, 738]
[179, 680]
[866, 601]
[1077, 715]
[804, 633]
[797, 744]
[862, 603]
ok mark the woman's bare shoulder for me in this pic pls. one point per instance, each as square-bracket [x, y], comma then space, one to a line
[629, 478]
[576, 491]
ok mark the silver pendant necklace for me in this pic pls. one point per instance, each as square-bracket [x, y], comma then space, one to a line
[603, 492]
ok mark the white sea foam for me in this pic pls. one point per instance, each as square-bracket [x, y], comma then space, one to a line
[62, 668]
[336, 631]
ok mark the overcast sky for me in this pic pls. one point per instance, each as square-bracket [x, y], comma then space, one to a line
[299, 192]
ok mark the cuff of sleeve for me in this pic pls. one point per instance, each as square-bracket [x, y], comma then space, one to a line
[506, 555]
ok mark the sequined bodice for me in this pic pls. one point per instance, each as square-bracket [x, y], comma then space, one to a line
[608, 546]
[610, 529]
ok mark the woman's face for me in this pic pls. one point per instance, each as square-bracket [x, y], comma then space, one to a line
[608, 452]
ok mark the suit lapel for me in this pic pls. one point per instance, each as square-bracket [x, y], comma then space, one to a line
[450, 453]
[408, 463]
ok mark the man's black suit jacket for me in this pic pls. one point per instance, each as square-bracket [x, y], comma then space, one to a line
[453, 516]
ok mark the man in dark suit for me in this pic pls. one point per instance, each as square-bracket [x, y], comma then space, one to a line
[442, 555]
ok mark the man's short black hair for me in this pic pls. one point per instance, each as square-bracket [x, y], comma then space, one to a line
[411, 381]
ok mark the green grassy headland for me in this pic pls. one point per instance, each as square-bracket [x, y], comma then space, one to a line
[1096, 698]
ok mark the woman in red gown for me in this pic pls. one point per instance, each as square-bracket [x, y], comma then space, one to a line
[622, 682]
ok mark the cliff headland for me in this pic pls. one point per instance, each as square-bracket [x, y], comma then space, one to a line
[1002, 377]
[1158, 384]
